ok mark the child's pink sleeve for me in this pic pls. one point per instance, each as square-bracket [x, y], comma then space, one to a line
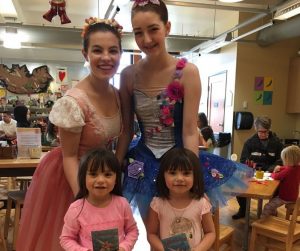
[70, 232]
[130, 229]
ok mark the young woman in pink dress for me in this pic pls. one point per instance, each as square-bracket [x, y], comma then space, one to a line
[88, 116]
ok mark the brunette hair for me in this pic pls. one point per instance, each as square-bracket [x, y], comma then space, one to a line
[102, 27]
[180, 159]
[203, 119]
[94, 161]
[160, 9]
[291, 156]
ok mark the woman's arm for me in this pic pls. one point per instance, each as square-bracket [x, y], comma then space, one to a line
[126, 91]
[209, 233]
[152, 227]
[192, 93]
[69, 145]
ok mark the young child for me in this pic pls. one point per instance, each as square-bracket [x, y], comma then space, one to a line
[289, 176]
[98, 205]
[181, 206]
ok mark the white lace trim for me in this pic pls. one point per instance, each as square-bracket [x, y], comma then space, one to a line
[67, 114]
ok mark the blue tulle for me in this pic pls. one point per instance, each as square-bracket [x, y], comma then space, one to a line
[220, 175]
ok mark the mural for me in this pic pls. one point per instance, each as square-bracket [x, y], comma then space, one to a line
[19, 80]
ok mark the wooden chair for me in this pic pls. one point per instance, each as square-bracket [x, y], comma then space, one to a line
[3, 242]
[16, 197]
[276, 233]
[224, 234]
[289, 210]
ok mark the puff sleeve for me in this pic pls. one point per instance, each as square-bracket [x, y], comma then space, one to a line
[67, 114]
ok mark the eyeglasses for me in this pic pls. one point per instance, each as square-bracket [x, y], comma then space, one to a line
[263, 131]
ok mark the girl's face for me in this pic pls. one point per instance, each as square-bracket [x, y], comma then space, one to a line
[99, 185]
[103, 54]
[179, 182]
[150, 32]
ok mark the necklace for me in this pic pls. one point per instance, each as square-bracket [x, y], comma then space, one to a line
[181, 224]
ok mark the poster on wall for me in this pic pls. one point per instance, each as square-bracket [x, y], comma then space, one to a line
[263, 90]
[62, 75]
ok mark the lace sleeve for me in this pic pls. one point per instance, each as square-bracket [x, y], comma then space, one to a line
[67, 114]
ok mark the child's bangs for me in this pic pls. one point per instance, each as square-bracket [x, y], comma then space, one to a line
[98, 163]
[180, 164]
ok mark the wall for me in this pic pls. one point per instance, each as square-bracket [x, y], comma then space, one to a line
[272, 61]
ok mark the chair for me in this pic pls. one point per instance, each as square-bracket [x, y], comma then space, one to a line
[289, 210]
[16, 197]
[3, 242]
[276, 233]
[224, 234]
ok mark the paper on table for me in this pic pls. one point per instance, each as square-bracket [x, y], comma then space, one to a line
[28, 138]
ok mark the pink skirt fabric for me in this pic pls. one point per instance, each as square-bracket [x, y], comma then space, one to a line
[46, 203]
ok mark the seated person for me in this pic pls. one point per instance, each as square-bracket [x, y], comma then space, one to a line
[263, 148]
[8, 127]
[22, 115]
[206, 134]
[52, 135]
[289, 176]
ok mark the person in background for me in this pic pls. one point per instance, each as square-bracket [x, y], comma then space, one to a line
[99, 204]
[263, 149]
[289, 176]
[88, 116]
[181, 206]
[52, 135]
[8, 127]
[22, 116]
[164, 92]
[206, 133]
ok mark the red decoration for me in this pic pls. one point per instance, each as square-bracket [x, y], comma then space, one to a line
[57, 7]
[61, 75]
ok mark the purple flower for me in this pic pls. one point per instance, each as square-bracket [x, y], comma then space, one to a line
[136, 169]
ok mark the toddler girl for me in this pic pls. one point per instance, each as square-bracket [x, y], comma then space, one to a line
[289, 176]
[181, 206]
[98, 205]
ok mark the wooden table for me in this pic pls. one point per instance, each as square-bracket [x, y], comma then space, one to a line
[18, 167]
[260, 190]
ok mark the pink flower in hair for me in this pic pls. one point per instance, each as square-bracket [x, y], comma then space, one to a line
[144, 2]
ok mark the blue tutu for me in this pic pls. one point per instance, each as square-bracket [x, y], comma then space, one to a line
[219, 175]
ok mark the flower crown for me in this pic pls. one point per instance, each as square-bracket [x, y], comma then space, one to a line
[144, 2]
[94, 20]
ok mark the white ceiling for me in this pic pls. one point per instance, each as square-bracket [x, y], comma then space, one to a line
[195, 19]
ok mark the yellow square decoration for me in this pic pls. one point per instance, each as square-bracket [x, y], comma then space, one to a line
[268, 84]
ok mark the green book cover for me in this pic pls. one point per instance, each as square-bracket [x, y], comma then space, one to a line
[105, 240]
[176, 242]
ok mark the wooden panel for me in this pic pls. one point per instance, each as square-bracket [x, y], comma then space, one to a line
[293, 100]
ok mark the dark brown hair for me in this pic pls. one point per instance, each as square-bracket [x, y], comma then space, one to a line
[160, 9]
[102, 27]
[93, 161]
[182, 159]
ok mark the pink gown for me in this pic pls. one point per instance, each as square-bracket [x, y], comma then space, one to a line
[49, 194]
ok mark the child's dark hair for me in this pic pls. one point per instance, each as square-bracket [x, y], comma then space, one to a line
[203, 119]
[94, 160]
[102, 27]
[160, 9]
[182, 159]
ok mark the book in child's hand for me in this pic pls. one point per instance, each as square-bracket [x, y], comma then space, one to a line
[176, 242]
[105, 240]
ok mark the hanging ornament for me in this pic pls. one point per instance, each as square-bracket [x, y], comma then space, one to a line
[57, 7]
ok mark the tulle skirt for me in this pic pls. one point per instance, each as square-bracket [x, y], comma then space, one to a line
[220, 177]
[46, 203]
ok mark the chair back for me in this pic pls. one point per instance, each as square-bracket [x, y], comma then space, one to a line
[293, 223]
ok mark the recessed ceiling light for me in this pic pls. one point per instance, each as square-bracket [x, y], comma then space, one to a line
[230, 1]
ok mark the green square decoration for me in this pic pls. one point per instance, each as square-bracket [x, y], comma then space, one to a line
[267, 97]
[258, 97]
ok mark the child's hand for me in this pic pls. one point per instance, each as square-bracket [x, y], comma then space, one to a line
[277, 169]
[121, 249]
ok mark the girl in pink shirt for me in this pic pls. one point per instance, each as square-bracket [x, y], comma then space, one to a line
[289, 176]
[99, 205]
[181, 206]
